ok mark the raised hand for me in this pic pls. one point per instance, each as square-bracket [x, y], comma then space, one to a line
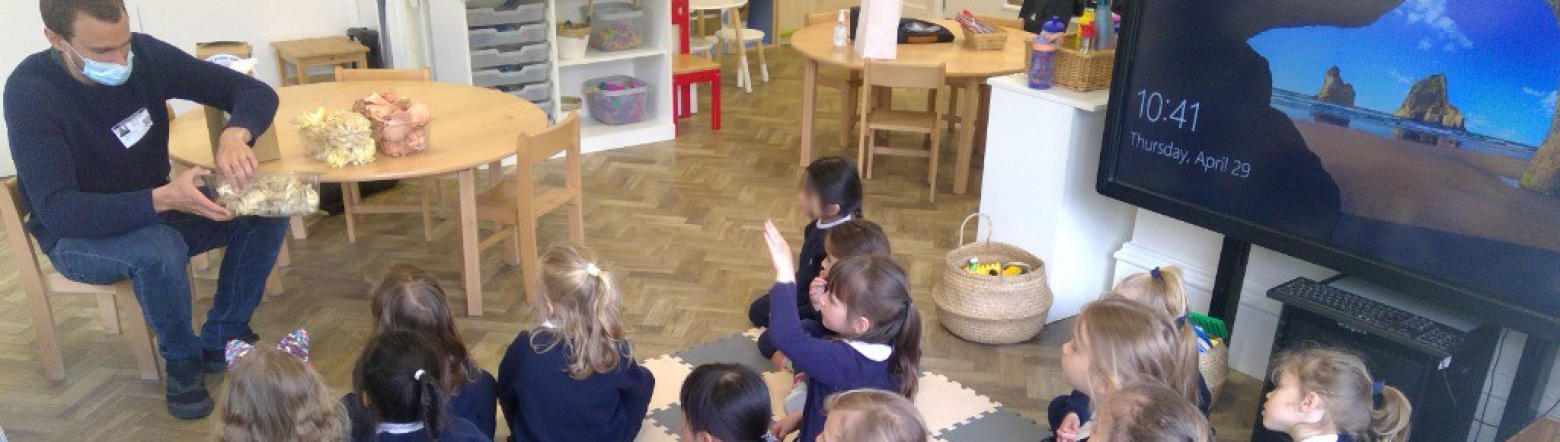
[779, 253]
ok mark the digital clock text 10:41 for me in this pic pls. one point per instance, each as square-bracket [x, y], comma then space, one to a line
[1154, 107]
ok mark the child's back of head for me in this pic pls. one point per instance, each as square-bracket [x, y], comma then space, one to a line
[726, 402]
[1160, 287]
[585, 310]
[273, 396]
[875, 294]
[1120, 341]
[1149, 411]
[1334, 393]
[410, 299]
[398, 377]
[857, 237]
[831, 189]
[872, 416]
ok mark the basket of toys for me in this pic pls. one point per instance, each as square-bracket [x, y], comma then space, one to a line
[991, 292]
[336, 137]
[1213, 352]
[616, 26]
[399, 127]
[1082, 69]
[980, 35]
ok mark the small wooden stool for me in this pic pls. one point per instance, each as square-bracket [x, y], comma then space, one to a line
[310, 52]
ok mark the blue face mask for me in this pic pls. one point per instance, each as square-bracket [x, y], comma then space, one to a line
[107, 74]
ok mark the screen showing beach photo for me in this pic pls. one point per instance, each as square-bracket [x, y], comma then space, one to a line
[1420, 133]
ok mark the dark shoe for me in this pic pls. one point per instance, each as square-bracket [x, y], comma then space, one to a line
[186, 394]
[215, 361]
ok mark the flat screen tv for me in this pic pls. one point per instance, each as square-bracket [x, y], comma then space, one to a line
[1414, 143]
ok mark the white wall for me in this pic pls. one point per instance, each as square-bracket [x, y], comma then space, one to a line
[987, 7]
[186, 22]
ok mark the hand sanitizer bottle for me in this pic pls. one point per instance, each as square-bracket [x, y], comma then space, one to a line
[841, 31]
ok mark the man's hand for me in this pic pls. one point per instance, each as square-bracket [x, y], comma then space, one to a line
[234, 157]
[182, 194]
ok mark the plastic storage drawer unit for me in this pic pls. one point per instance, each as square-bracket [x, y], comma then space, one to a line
[508, 35]
[495, 57]
[510, 75]
[530, 92]
[525, 13]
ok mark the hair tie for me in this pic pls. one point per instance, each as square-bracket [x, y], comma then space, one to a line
[1375, 388]
[1154, 272]
[295, 343]
[1180, 321]
[592, 269]
[419, 374]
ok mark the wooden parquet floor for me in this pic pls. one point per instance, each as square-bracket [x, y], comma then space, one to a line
[678, 223]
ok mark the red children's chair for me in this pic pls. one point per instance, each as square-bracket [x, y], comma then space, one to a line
[688, 70]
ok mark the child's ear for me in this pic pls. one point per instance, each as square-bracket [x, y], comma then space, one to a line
[363, 400]
[704, 436]
[831, 210]
[1313, 406]
[860, 325]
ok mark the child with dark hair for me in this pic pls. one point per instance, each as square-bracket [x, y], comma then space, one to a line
[867, 303]
[398, 383]
[410, 299]
[830, 195]
[724, 403]
[857, 237]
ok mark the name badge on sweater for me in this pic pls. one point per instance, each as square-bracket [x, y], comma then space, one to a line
[131, 130]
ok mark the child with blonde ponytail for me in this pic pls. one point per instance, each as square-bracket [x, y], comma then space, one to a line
[1327, 395]
[1116, 342]
[574, 378]
[1162, 287]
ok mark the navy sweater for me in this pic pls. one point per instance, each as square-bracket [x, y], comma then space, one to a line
[831, 365]
[458, 430]
[543, 404]
[74, 170]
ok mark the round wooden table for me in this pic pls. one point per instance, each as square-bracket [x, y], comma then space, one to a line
[965, 66]
[471, 127]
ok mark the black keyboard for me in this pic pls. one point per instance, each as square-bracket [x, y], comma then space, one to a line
[1367, 315]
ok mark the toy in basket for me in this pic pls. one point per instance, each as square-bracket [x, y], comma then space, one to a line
[980, 35]
[1000, 309]
[399, 126]
[336, 137]
[1082, 70]
[1214, 361]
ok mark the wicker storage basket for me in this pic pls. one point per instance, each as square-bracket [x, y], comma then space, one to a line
[989, 41]
[992, 309]
[1082, 71]
[1215, 369]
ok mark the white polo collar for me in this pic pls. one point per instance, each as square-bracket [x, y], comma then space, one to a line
[875, 352]
[404, 428]
[831, 224]
[1322, 438]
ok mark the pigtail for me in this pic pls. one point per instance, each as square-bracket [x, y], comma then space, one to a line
[586, 311]
[1168, 280]
[430, 403]
[907, 350]
[1390, 422]
[1183, 374]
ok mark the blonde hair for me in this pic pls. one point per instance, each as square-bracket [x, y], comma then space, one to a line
[1341, 379]
[1149, 411]
[271, 396]
[1126, 341]
[1166, 290]
[587, 311]
[876, 416]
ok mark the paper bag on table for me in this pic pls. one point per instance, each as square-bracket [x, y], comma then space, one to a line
[877, 29]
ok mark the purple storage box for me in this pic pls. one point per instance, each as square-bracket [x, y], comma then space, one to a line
[617, 99]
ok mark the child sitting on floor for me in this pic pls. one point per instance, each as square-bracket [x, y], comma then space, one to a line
[1149, 411]
[274, 395]
[398, 383]
[867, 303]
[1116, 341]
[724, 403]
[872, 416]
[574, 378]
[410, 299]
[1326, 395]
[1162, 287]
[830, 195]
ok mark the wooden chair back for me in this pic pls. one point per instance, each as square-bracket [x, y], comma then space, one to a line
[14, 213]
[420, 74]
[562, 137]
[1005, 22]
[895, 74]
[821, 17]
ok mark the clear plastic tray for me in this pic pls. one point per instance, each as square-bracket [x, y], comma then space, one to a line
[530, 92]
[503, 75]
[267, 194]
[495, 57]
[507, 35]
[524, 13]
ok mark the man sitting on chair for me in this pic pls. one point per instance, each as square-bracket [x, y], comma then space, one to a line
[89, 134]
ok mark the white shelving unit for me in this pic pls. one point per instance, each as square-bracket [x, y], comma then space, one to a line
[454, 53]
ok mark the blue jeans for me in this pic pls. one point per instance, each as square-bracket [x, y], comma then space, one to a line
[155, 259]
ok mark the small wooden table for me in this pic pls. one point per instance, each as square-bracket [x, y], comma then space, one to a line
[471, 126]
[322, 51]
[966, 66]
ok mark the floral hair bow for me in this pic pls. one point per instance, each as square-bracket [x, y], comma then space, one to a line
[295, 343]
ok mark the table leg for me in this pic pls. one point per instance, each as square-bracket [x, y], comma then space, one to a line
[303, 71]
[300, 228]
[281, 68]
[967, 115]
[348, 199]
[470, 254]
[809, 104]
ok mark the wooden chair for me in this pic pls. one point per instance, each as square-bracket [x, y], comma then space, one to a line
[886, 76]
[688, 70]
[351, 197]
[848, 84]
[39, 285]
[736, 33]
[517, 205]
